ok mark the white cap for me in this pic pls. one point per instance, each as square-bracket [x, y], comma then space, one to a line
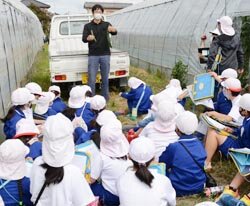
[142, 150]
[12, 159]
[54, 88]
[113, 141]
[162, 96]
[26, 127]
[34, 88]
[226, 24]
[97, 102]
[227, 73]
[42, 104]
[164, 120]
[244, 102]
[232, 84]
[187, 122]
[174, 83]
[58, 145]
[105, 116]
[215, 31]
[86, 89]
[134, 82]
[21, 96]
[76, 97]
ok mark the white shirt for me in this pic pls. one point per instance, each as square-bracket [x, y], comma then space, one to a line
[133, 192]
[234, 112]
[112, 169]
[73, 190]
[160, 139]
[1, 201]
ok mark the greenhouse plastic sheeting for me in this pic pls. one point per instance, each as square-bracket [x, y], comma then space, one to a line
[21, 37]
[161, 32]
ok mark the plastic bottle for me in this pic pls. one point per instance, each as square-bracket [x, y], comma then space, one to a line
[212, 191]
[131, 135]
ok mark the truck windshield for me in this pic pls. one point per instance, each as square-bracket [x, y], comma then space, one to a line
[76, 27]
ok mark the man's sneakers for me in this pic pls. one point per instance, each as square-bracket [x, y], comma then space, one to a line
[246, 200]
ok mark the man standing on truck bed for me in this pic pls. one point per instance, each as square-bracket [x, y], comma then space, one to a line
[96, 33]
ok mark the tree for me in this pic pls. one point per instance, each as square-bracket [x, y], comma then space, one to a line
[43, 17]
[245, 38]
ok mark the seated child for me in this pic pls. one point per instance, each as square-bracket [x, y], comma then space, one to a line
[140, 186]
[43, 105]
[186, 176]
[223, 143]
[162, 130]
[27, 132]
[14, 186]
[138, 96]
[114, 150]
[21, 100]
[58, 104]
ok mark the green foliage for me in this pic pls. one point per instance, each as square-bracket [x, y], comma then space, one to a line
[180, 71]
[43, 17]
[245, 38]
[40, 69]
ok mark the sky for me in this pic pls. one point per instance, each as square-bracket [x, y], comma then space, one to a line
[68, 6]
[65, 6]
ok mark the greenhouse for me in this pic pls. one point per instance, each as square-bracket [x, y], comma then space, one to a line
[21, 37]
[158, 33]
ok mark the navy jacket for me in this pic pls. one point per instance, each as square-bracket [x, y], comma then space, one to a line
[223, 104]
[134, 95]
[244, 134]
[10, 125]
[58, 105]
[87, 114]
[12, 189]
[185, 175]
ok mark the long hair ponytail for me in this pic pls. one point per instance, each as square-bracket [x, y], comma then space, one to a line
[53, 175]
[142, 172]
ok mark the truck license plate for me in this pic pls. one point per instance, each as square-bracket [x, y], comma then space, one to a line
[85, 78]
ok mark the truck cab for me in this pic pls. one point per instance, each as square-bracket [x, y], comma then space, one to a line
[68, 55]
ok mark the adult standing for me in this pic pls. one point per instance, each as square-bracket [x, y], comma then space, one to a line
[231, 49]
[96, 34]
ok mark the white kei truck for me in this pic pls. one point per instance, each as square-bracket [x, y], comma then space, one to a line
[68, 55]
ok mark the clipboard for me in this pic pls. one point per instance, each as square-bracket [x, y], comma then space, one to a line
[241, 159]
[203, 87]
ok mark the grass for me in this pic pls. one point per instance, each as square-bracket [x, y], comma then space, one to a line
[39, 72]
[224, 168]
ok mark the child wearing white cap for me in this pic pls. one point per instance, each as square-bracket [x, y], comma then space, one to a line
[231, 90]
[58, 104]
[21, 100]
[156, 100]
[77, 101]
[52, 175]
[34, 89]
[215, 140]
[162, 130]
[27, 132]
[114, 150]
[138, 96]
[43, 106]
[223, 105]
[186, 176]
[14, 186]
[138, 185]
